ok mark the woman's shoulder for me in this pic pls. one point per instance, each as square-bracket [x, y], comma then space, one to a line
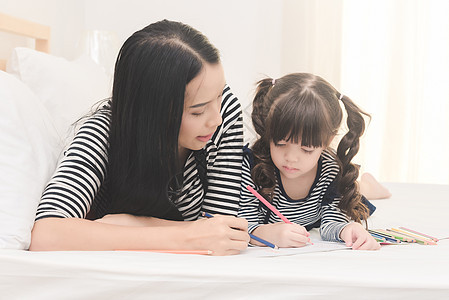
[100, 117]
[230, 105]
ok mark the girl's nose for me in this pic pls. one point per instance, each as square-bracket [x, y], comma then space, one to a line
[290, 155]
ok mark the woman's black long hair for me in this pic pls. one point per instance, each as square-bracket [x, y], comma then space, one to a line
[152, 70]
[302, 106]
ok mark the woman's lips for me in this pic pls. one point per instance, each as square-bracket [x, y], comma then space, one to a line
[204, 138]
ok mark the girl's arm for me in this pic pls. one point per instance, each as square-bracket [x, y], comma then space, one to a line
[223, 235]
[335, 226]
[356, 236]
[281, 234]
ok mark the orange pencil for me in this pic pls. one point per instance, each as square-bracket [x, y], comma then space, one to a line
[201, 252]
[419, 233]
[418, 239]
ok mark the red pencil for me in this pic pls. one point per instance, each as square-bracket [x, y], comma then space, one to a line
[268, 204]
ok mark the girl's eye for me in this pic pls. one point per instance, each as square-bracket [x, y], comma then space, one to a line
[279, 144]
[307, 150]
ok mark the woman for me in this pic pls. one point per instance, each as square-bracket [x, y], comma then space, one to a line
[164, 149]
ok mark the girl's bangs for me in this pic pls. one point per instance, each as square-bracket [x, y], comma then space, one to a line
[300, 120]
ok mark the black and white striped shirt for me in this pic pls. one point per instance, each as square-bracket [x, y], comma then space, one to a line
[80, 180]
[318, 209]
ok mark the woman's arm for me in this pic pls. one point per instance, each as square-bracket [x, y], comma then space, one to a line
[225, 161]
[223, 235]
[131, 220]
[249, 204]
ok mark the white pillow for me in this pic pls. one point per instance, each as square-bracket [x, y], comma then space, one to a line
[29, 150]
[68, 89]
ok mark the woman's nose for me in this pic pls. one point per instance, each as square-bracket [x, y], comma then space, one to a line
[215, 118]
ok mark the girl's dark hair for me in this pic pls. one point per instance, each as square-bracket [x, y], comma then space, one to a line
[305, 107]
[152, 70]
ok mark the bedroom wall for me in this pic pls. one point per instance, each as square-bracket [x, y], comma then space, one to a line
[248, 33]
[66, 19]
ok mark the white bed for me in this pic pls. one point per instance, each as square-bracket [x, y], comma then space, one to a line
[35, 113]
[409, 271]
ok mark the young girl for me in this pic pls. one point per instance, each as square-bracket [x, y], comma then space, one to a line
[164, 149]
[291, 165]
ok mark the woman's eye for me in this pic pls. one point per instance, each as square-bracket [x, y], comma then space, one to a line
[196, 114]
[279, 145]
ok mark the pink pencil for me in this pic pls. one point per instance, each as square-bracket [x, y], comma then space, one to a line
[268, 204]
[419, 233]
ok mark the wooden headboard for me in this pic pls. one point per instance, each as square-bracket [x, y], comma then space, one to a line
[20, 27]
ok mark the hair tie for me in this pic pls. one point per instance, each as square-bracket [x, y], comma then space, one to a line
[273, 82]
[341, 97]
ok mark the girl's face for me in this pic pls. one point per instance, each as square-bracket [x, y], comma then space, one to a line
[202, 103]
[293, 160]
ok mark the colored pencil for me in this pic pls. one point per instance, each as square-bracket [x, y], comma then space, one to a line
[202, 252]
[390, 234]
[404, 238]
[418, 239]
[419, 233]
[387, 238]
[268, 204]
[266, 243]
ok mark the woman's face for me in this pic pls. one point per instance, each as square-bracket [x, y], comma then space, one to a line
[202, 103]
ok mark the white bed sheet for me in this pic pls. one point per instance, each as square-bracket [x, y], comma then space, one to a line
[395, 272]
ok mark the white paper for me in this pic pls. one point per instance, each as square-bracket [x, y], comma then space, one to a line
[318, 246]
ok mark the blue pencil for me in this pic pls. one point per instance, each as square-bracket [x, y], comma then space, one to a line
[260, 240]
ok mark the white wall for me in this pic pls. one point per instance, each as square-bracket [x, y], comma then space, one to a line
[247, 33]
[66, 19]
[312, 38]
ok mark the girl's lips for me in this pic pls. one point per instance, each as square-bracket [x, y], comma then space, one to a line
[204, 138]
[288, 169]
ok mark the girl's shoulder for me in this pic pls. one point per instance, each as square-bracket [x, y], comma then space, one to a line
[329, 160]
[248, 157]
[328, 168]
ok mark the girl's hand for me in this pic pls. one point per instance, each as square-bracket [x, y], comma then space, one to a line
[224, 235]
[355, 236]
[282, 235]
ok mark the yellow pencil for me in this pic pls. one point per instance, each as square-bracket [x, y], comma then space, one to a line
[418, 239]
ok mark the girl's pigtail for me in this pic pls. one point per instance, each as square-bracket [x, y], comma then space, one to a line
[263, 172]
[260, 107]
[351, 202]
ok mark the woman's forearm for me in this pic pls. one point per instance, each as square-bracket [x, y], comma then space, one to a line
[82, 234]
[131, 220]
[223, 235]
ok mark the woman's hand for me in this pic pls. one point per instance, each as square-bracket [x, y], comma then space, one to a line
[282, 235]
[356, 236]
[224, 235]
